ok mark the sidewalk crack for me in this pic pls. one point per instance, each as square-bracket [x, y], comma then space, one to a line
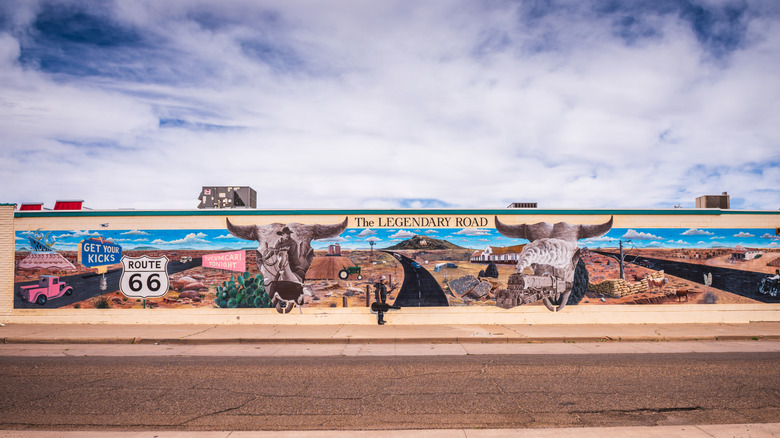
[704, 431]
[198, 333]
[341, 327]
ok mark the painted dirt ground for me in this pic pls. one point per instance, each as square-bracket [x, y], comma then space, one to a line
[196, 287]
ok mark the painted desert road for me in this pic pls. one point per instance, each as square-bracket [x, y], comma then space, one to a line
[420, 288]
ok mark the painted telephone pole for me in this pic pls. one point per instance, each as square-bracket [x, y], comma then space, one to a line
[622, 259]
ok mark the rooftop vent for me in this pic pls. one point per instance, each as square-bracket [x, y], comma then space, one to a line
[714, 201]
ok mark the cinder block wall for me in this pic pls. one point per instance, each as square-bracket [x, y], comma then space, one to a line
[7, 258]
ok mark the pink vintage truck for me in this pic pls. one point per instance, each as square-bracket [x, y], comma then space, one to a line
[48, 287]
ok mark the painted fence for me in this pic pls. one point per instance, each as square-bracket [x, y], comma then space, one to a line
[485, 266]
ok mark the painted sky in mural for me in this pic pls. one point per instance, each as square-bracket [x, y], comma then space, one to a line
[359, 238]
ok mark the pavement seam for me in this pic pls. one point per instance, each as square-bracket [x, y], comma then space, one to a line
[387, 340]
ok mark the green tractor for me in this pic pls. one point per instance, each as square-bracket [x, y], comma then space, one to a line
[350, 270]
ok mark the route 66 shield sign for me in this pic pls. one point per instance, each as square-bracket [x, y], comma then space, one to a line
[144, 277]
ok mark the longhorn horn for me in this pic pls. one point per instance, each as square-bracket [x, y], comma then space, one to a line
[515, 231]
[548, 304]
[587, 231]
[246, 232]
[564, 300]
[326, 231]
[524, 231]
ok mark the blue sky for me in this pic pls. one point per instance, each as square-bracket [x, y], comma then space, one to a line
[391, 104]
[359, 238]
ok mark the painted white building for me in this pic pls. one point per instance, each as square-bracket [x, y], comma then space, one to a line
[501, 254]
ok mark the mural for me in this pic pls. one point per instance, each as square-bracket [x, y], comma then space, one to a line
[414, 262]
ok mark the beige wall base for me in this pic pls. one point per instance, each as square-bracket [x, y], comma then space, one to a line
[644, 314]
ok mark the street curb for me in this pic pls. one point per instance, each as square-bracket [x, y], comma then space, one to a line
[345, 341]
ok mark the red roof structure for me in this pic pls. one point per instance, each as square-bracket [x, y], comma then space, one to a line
[68, 205]
[31, 206]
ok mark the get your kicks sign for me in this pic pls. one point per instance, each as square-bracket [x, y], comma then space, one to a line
[98, 252]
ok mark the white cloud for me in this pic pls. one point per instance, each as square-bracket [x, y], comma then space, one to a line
[366, 232]
[79, 233]
[336, 239]
[135, 233]
[697, 232]
[770, 236]
[602, 239]
[129, 240]
[191, 238]
[678, 242]
[743, 234]
[473, 232]
[373, 239]
[638, 235]
[402, 234]
[227, 236]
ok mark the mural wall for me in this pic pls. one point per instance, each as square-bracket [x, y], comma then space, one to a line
[410, 260]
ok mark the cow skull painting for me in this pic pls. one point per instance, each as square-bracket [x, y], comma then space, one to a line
[284, 255]
[553, 256]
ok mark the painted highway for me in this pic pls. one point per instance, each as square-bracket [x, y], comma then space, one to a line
[744, 283]
[420, 288]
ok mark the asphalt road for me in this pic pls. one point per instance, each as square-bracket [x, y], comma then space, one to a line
[88, 286]
[420, 288]
[736, 281]
[387, 392]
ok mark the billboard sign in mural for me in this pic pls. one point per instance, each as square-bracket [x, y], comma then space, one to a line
[427, 260]
[96, 251]
[229, 261]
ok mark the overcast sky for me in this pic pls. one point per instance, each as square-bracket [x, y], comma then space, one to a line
[384, 104]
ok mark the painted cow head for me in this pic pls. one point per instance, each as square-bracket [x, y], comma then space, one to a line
[284, 254]
[552, 250]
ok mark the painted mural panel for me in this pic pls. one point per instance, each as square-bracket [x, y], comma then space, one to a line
[410, 261]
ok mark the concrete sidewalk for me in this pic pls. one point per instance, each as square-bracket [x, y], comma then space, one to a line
[375, 334]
